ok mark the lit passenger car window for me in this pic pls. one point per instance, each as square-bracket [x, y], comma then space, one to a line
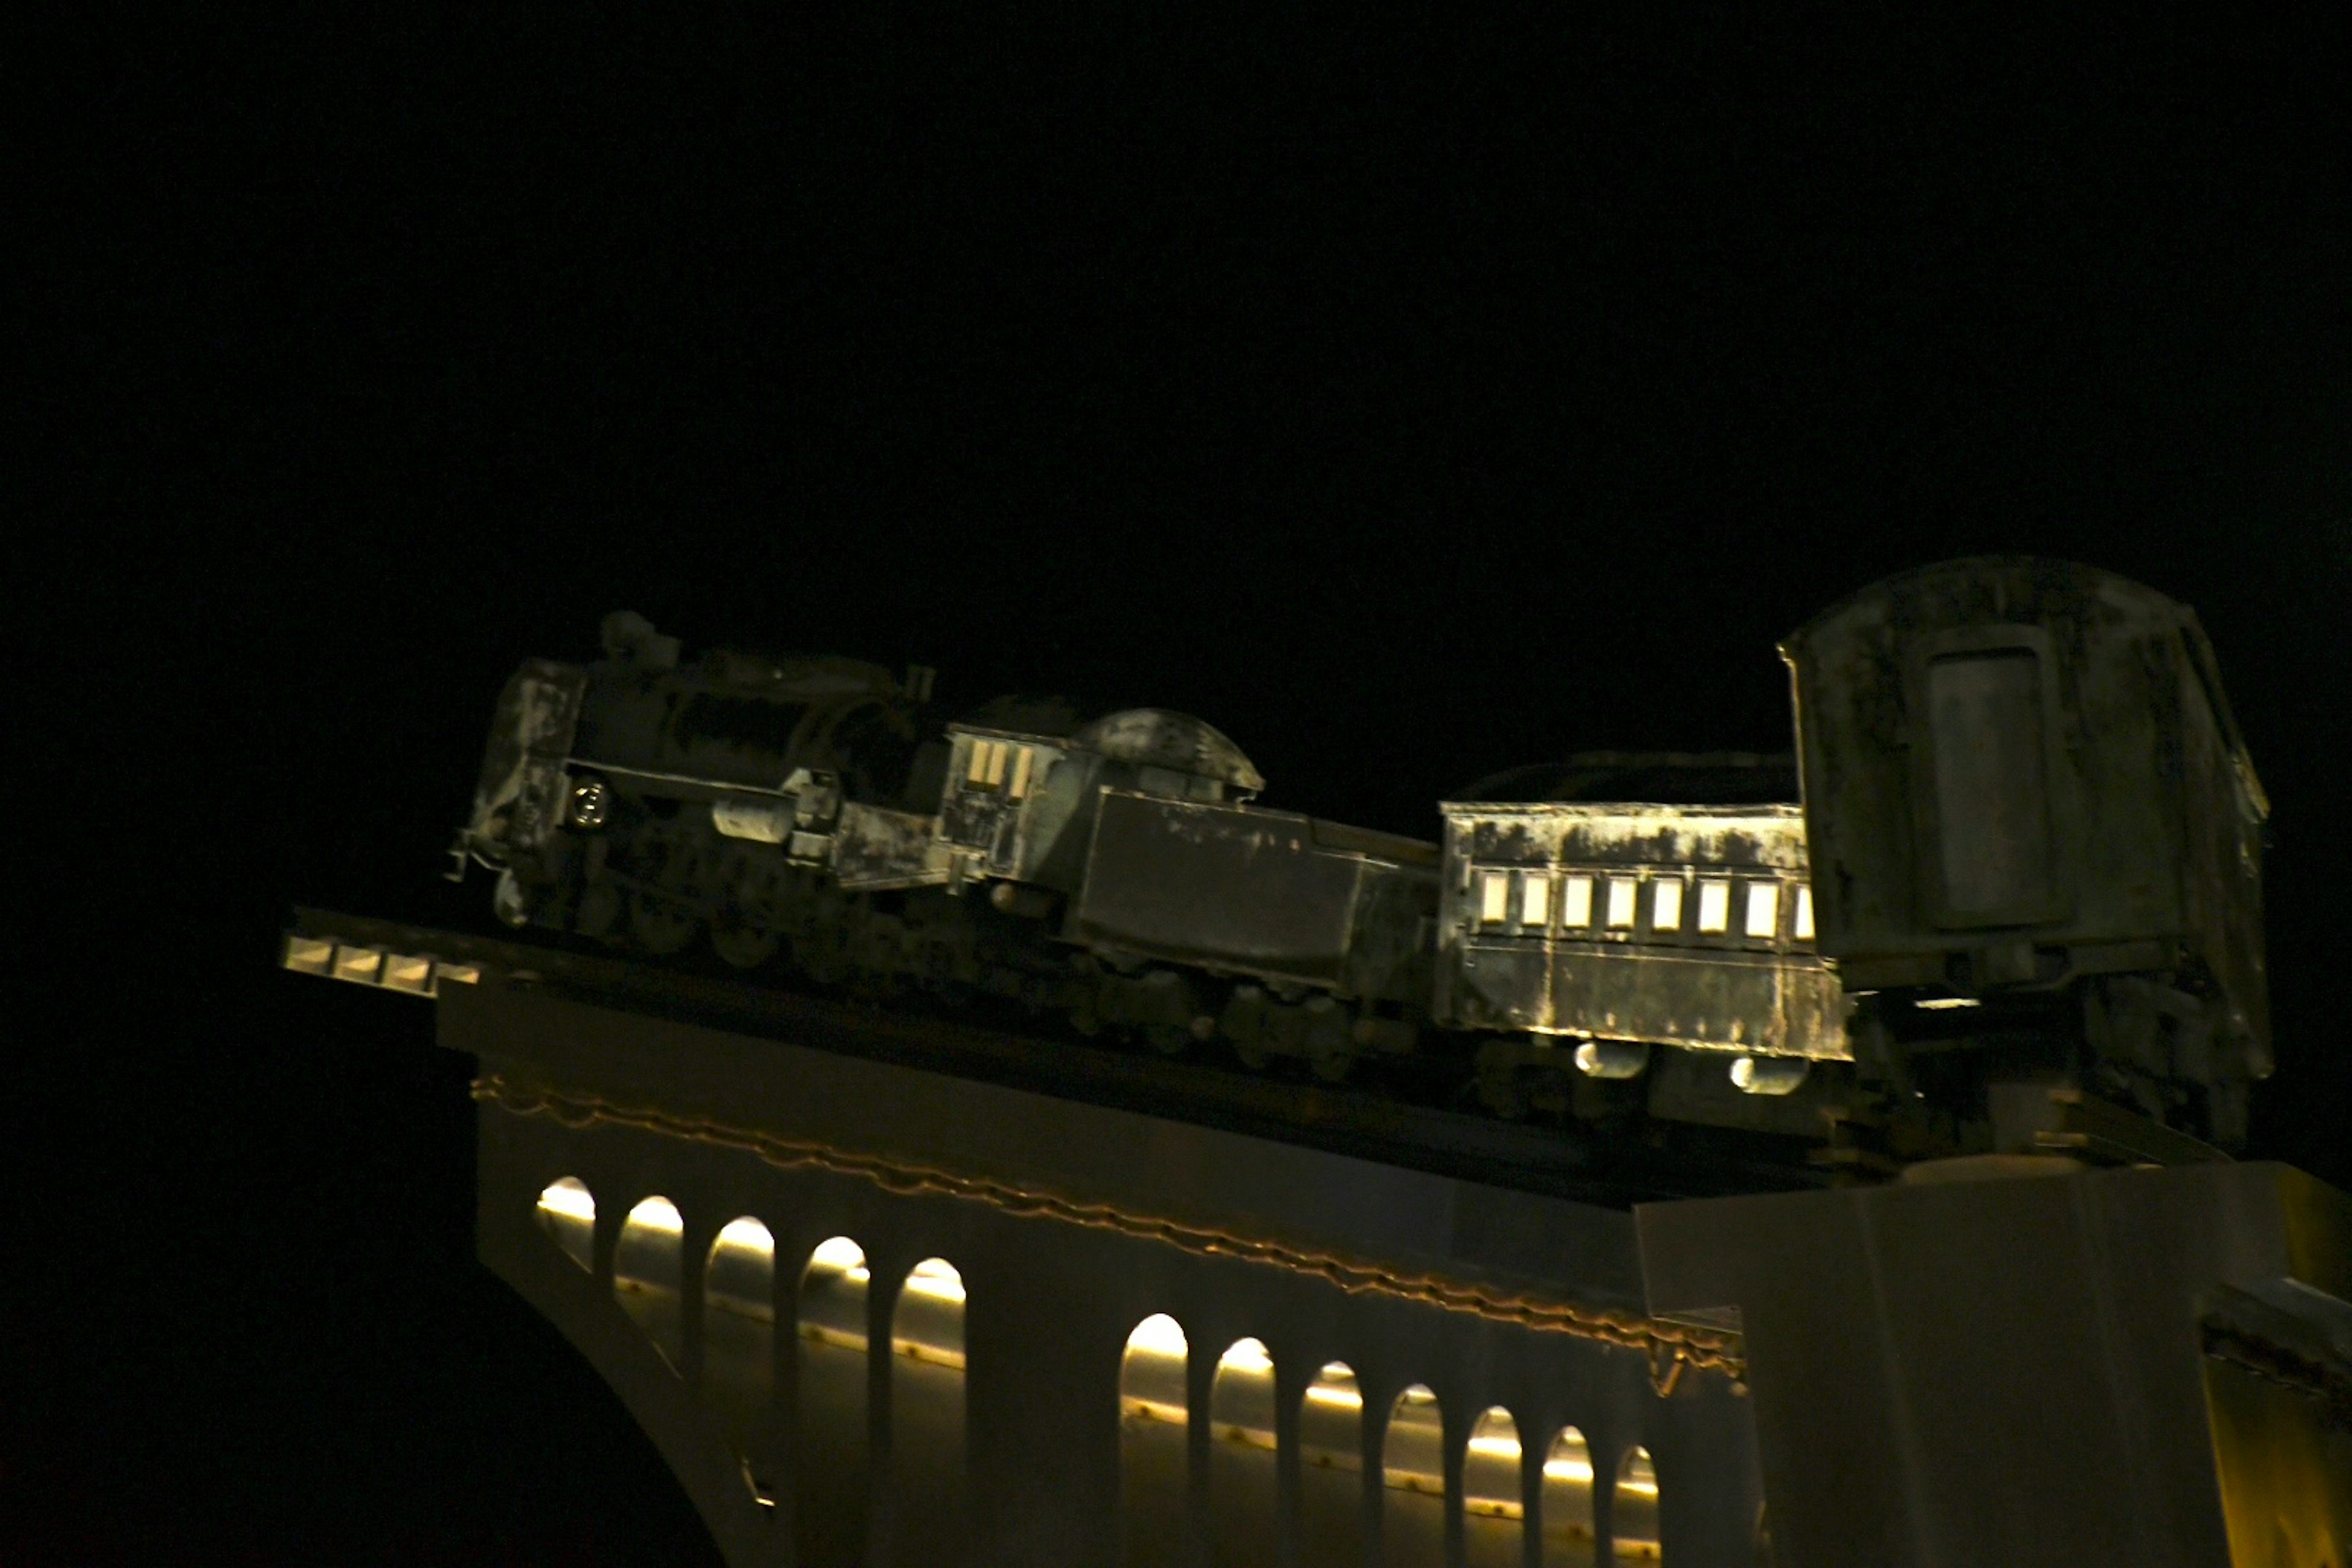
[1666, 906]
[1621, 901]
[1024, 759]
[1804, 919]
[1494, 897]
[1535, 900]
[1576, 901]
[1763, 909]
[1715, 906]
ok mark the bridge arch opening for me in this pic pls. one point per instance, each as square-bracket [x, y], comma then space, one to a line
[830, 1431]
[1412, 1476]
[1154, 1446]
[567, 1213]
[1242, 1489]
[646, 1274]
[739, 1338]
[927, 1415]
[1331, 1469]
[1564, 1512]
[1634, 1509]
[1494, 1493]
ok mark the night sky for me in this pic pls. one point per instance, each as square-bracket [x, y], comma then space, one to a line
[1407, 398]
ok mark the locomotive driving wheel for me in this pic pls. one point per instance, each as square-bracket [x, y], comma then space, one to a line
[741, 943]
[661, 928]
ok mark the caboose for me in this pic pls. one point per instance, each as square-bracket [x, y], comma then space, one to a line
[2036, 840]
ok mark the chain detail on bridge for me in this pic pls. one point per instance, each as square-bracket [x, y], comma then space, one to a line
[1669, 1347]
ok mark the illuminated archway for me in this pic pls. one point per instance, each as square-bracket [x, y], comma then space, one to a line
[1565, 1509]
[829, 1480]
[739, 1334]
[646, 1274]
[1331, 1470]
[1494, 1493]
[1154, 1452]
[1413, 1476]
[1241, 1482]
[567, 1213]
[927, 1417]
[1634, 1509]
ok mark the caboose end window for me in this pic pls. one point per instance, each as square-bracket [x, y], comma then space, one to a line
[1996, 849]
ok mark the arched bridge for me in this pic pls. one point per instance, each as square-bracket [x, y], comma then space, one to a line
[885, 1291]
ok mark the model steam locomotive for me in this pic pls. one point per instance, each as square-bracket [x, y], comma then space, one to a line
[2026, 849]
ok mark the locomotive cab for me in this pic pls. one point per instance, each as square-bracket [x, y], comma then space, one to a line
[1021, 806]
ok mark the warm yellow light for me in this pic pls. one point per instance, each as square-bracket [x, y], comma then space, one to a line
[1136, 1407]
[569, 1199]
[1569, 1459]
[746, 1235]
[838, 1255]
[1506, 1446]
[1247, 1357]
[656, 1214]
[935, 1278]
[1158, 1335]
[1345, 1399]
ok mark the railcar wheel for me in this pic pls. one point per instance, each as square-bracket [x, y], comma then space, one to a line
[1168, 1040]
[741, 943]
[660, 927]
[1333, 1066]
[508, 902]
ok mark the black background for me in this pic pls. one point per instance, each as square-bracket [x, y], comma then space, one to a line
[1408, 398]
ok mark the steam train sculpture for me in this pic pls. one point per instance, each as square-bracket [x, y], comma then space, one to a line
[2026, 849]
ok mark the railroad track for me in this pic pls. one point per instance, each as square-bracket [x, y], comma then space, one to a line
[1358, 1120]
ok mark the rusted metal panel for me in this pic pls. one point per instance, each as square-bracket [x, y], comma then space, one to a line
[875, 848]
[1686, 926]
[2018, 754]
[1236, 889]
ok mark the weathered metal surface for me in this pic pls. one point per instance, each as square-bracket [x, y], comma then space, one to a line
[875, 848]
[1685, 926]
[1238, 889]
[2023, 788]
[1998, 749]
[518, 803]
[1173, 743]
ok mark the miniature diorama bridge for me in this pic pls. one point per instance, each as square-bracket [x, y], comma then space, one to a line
[890, 1290]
